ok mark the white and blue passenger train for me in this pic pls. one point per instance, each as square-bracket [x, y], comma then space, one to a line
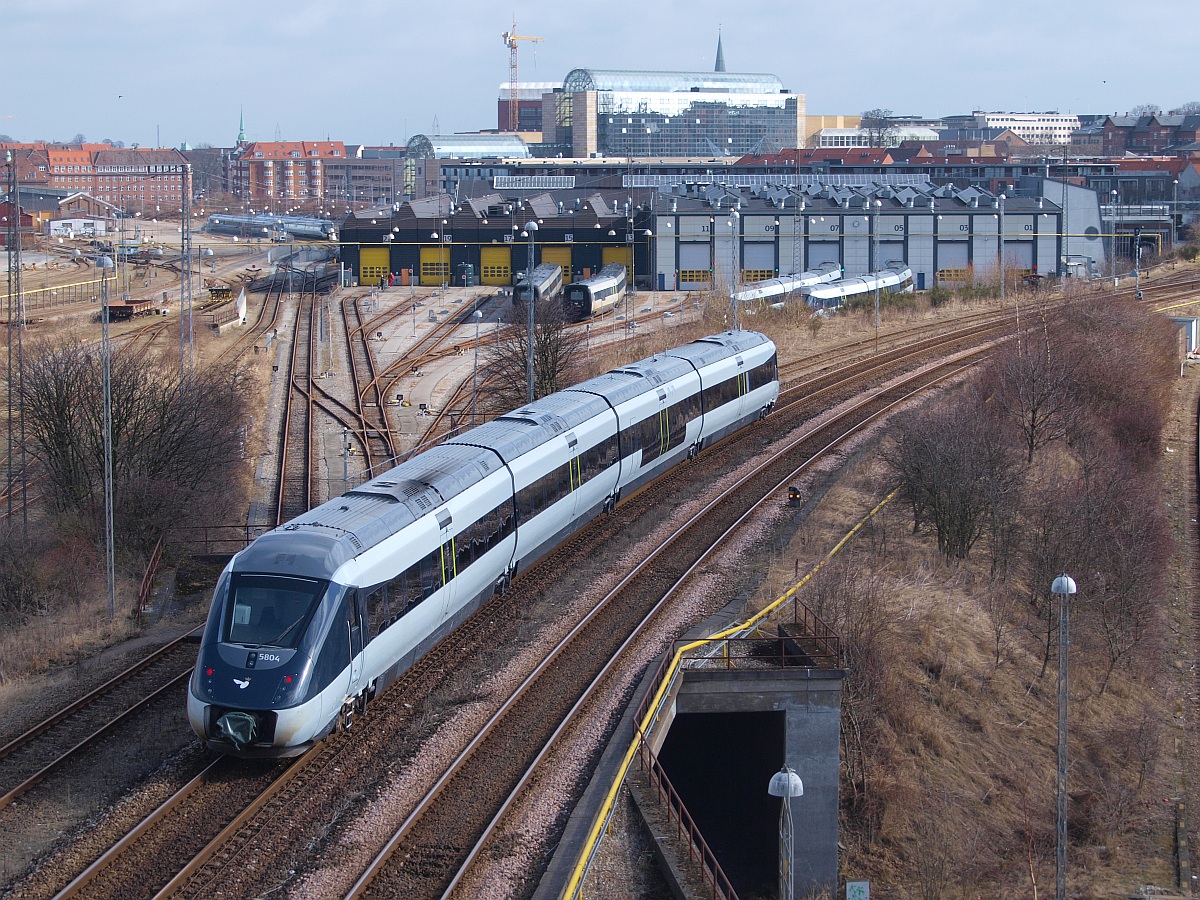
[317, 616]
[895, 279]
[597, 295]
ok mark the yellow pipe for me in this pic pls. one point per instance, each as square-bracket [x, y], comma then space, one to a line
[573, 887]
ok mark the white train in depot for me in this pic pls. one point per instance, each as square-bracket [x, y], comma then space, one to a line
[597, 295]
[823, 288]
[774, 290]
[317, 616]
[896, 278]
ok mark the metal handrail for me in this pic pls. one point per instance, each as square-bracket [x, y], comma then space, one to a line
[686, 829]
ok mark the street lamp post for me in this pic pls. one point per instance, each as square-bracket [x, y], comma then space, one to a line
[1000, 248]
[104, 264]
[1063, 587]
[877, 205]
[1113, 262]
[786, 784]
[1174, 211]
[475, 367]
[530, 232]
[734, 220]
[445, 255]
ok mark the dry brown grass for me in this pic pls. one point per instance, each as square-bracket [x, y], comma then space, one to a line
[961, 751]
[61, 637]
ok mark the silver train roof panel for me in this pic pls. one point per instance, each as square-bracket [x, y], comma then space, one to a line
[709, 350]
[304, 553]
[635, 379]
[523, 429]
[430, 478]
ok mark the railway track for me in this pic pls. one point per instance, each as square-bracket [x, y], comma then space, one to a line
[374, 433]
[296, 475]
[330, 777]
[32, 756]
[826, 387]
[462, 819]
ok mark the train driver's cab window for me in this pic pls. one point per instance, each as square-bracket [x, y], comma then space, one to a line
[269, 610]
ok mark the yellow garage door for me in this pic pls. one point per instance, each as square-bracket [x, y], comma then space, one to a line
[495, 264]
[623, 255]
[435, 266]
[560, 255]
[372, 265]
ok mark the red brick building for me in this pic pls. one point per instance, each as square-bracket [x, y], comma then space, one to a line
[282, 170]
[136, 180]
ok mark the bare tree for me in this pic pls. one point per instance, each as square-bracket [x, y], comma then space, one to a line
[953, 469]
[1029, 383]
[1191, 108]
[1125, 547]
[557, 357]
[175, 443]
[1122, 359]
[1146, 109]
[877, 123]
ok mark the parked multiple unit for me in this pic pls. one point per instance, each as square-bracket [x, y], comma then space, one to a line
[317, 616]
[547, 283]
[896, 278]
[774, 290]
[277, 227]
[597, 295]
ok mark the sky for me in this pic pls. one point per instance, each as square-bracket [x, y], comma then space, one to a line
[375, 72]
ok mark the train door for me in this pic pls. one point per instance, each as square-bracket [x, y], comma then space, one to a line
[357, 631]
[560, 255]
[495, 266]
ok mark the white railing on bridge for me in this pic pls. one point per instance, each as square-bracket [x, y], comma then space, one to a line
[1130, 212]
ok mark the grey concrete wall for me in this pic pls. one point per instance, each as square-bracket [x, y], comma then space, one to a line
[812, 702]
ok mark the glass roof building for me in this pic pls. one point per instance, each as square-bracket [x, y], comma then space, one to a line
[467, 146]
[678, 114]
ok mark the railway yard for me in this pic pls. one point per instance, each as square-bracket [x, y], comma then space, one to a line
[487, 758]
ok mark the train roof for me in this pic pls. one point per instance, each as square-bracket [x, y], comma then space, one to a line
[608, 272]
[634, 379]
[523, 429]
[719, 346]
[317, 542]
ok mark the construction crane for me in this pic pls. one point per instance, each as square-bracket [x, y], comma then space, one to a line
[510, 41]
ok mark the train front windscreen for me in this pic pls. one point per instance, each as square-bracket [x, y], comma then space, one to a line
[578, 301]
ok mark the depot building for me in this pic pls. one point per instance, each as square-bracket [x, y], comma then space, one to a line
[699, 235]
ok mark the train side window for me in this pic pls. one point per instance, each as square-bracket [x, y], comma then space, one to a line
[431, 573]
[379, 614]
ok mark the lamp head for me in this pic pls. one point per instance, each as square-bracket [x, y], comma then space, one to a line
[1064, 584]
[786, 783]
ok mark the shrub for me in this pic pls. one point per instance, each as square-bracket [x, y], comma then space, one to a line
[939, 296]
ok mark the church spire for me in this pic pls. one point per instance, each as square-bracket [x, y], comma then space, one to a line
[720, 66]
[242, 124]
